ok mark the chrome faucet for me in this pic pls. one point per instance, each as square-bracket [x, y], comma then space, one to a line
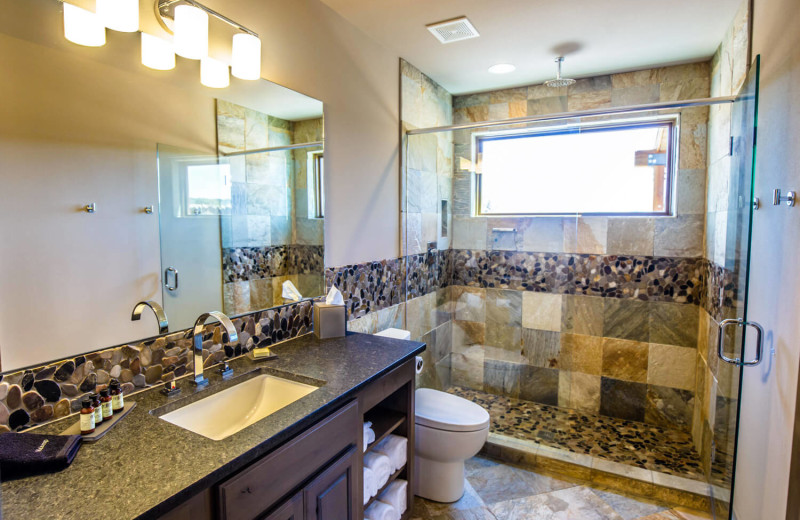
[161, 316]
[199, 326]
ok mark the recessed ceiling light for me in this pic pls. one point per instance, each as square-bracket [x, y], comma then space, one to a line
[502, 68]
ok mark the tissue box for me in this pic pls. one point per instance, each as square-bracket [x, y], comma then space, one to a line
[330, 321]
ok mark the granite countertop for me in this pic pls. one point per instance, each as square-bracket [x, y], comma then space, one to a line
[145, 466]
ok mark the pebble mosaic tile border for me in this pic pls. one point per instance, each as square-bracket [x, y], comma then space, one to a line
[38, 395]
[241, 264]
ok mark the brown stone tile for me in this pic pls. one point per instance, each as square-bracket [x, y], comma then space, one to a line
[630, 236]
[504, 336]
[623, 399]
[673, 324]
[626, 319]
[580, 353]
[669, 407]
[582, 315]
[624, 359]
[504, 307]
[501, 378]
[542, 348]
[574, 502]
[498, 483]
[671, 366]
[539, 385]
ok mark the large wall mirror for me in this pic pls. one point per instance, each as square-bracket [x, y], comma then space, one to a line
[205, 199]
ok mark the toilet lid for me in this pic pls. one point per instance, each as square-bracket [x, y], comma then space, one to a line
[449, 412]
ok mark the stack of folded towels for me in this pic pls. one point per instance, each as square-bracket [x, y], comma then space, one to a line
[380, 463]
[369, 434]
[391, 504]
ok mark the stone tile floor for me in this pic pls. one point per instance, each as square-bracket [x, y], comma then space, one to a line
[627, 442]
[499, 491]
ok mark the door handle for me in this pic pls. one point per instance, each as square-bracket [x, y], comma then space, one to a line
[169, 287]
[740, 323]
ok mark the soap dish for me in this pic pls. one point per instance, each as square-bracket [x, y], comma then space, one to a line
[101, 430]
[253, 358]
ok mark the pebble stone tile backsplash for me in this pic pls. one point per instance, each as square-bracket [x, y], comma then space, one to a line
[37, 395]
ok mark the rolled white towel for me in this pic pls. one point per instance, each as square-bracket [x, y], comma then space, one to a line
[381, 511]
[370, 484]
[396, 495]
[394, 447]
[380, 465]
[369, 434]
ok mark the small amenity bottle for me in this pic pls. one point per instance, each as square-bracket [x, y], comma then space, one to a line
[117, 401]
[98, 410]
[105, 404]
[87, 417]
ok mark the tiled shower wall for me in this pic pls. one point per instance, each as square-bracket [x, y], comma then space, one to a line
[267, 240]
[597, 314]
[717, 383]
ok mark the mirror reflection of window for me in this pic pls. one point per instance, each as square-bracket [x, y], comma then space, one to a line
[208, 189]
[316, 183]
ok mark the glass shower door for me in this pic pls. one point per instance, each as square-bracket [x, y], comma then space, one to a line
[739, 341]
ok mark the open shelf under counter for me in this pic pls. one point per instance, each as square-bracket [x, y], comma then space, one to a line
[392, 478]
[384, 422]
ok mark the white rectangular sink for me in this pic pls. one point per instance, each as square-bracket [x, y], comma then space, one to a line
[229, 411]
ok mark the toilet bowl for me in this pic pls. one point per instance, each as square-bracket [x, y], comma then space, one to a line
[449, 430]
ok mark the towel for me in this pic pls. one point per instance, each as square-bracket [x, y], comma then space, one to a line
[396, 495]
[380, 465]
[28, 454]
[370, 485]
[381, 511]
[369, 434]
[394, 447]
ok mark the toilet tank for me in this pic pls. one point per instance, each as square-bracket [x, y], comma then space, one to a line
[395, 333]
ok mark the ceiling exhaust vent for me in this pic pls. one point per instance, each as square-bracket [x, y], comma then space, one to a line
[454, 30]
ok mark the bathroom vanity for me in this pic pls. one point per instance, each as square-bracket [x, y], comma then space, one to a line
[302, 461]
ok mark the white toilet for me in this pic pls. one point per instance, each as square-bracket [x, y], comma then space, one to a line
[449, 430]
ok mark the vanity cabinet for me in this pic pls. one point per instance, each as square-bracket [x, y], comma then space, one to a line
[321, 469]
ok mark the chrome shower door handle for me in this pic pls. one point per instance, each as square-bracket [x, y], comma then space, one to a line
[169, 287]
[740, 323]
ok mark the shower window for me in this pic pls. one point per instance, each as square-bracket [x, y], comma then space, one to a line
[208, 189]
[620, 169]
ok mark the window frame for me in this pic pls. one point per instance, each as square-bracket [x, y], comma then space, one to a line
[316, 184]
[672, 121]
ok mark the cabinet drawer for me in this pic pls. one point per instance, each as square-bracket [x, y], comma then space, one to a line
[251, 492]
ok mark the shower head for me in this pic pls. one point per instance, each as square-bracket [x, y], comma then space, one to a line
[559, 81]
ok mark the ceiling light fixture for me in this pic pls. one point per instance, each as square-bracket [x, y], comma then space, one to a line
[246, 56]
[214, 73]
[502, 68]
[83, 27]
[157, 54]
[119, 15]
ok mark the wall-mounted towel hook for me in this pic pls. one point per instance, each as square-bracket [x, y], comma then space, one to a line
[90, 208]
[789, 198]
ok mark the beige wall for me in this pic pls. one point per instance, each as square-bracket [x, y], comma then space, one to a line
[769, 391]
[54, 255]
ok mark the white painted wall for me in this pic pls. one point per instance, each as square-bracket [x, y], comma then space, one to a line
[768, 403]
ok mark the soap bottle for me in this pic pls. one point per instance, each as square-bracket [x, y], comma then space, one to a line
[117, 401]
[87, 417]
[98, 410]
[105, 404]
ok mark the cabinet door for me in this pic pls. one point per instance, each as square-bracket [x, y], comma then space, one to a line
[292, 509]
[332, 495]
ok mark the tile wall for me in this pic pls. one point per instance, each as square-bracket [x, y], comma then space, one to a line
[268, 239]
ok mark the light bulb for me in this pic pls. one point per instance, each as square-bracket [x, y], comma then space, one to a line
[119, 15]
[191, 32]
[83, 27]
[246, 57]
[157, 54]
[214, 73]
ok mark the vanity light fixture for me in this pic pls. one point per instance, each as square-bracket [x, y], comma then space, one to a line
[191, 32]
[157, 54]
[214, 73]
[502, 68]
[246, 56]
[119, 15]
[83, 27]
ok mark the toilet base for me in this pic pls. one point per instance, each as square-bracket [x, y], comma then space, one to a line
[439, 481]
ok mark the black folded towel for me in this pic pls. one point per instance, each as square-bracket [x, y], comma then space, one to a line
[28, 454]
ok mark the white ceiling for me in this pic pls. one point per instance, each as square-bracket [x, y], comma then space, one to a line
[596, 36]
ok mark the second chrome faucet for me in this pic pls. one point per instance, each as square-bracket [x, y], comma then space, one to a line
[199, 327]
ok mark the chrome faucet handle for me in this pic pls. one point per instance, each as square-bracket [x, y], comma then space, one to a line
[158, 310]
[226, 371]
[199, 327]
[170, 389]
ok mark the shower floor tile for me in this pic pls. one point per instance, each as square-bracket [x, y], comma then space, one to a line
[628, 442]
